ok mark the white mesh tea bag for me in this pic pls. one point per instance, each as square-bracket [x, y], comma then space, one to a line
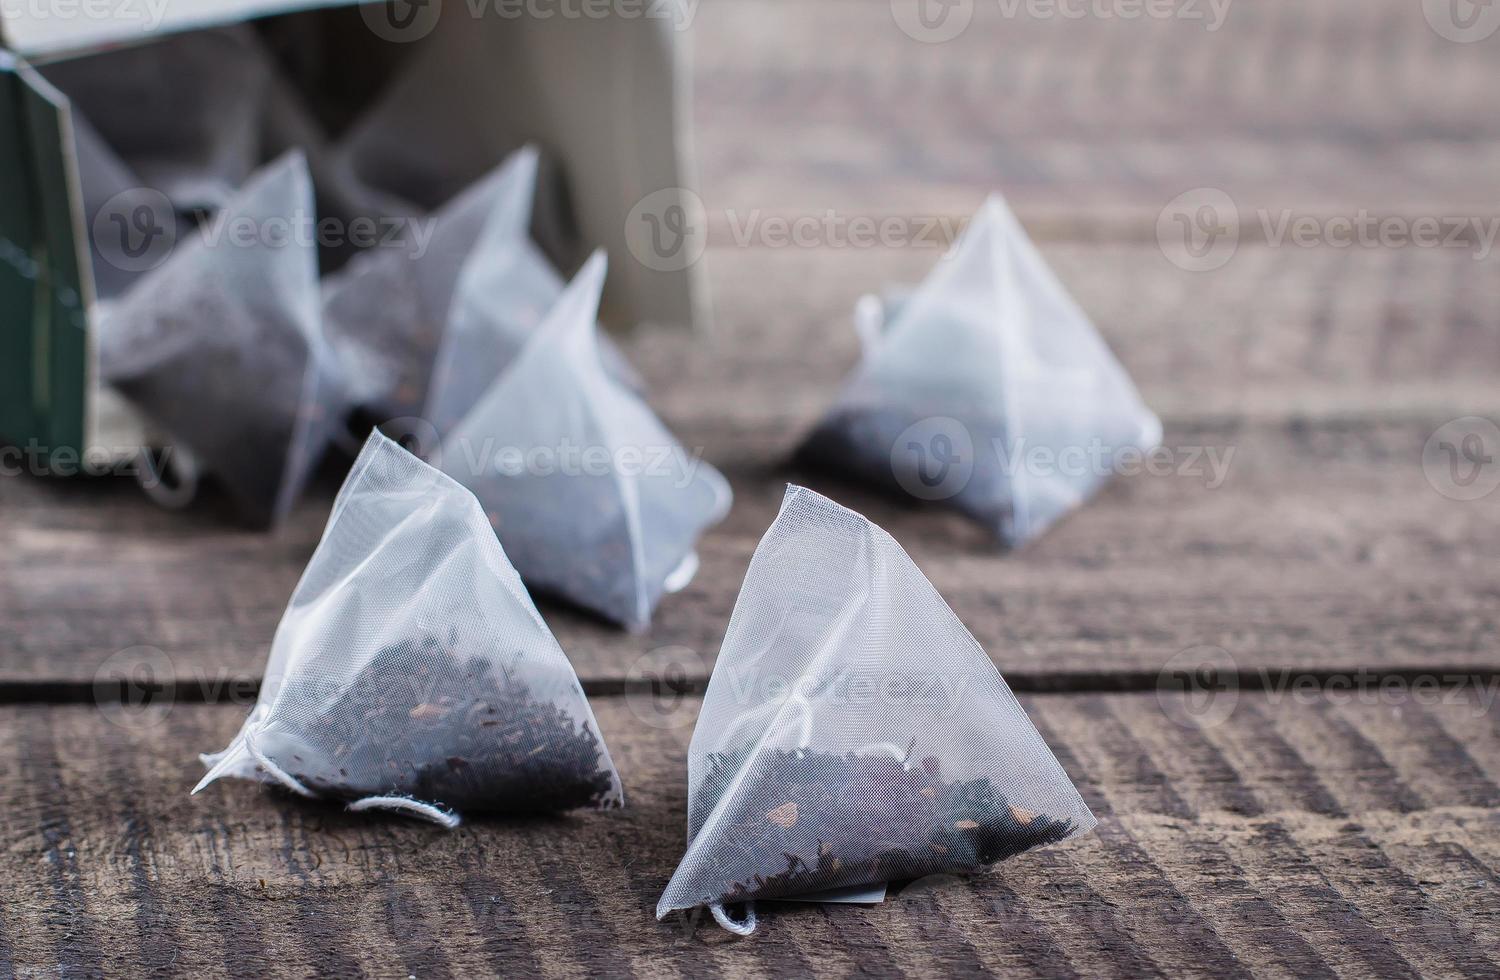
[221, 346]
[411, 671]
[184, 111]
[988, 390]
[853, 731]
[386, 310]
[594, 500]
[504, 289]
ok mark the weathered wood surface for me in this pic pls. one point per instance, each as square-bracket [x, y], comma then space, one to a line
[1302, 836]
[1296, 837]
[1095, 122]
[1320, 542]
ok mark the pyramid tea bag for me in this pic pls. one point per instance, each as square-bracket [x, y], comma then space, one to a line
[988, 390]
[412, 673]
[594, 500]
[184, 111]
[221, 346]
[102, 176]
[426, 328]
[854, 732]
[505, 288]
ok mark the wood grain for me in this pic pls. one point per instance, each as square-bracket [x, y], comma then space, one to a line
[1312, 836]
[1094, 121]
[1325, 546]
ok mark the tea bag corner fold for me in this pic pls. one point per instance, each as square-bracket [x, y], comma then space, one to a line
[594, 500]
[424, 324]
[221, 345]
[987, 389]
[411, 672]
[854, 732]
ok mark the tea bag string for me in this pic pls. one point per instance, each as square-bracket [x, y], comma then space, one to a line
[400, 804]
[747, 925]
[430, 812]
[744, 927]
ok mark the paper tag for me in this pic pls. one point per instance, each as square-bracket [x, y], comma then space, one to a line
[855, 895]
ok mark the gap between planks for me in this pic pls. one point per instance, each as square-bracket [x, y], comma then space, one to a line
[243, 691]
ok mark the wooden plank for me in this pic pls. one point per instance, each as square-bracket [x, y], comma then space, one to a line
[1317, 835]
[1324, 545]
[1276, 333]
[1090, 120]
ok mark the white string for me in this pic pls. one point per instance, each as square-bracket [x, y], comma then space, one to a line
[744, 928]
[405, 804]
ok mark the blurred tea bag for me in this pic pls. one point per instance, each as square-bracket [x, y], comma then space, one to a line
[988, 390]
[221, 348]
[106, 182]
[427, 323]
[594, 500]
[183, 111]
[854, 732]
[411, 672]
[505, 288]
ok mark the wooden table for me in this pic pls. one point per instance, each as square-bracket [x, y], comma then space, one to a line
[1337, 811]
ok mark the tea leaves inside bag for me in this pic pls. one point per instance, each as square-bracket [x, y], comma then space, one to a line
[853, 731]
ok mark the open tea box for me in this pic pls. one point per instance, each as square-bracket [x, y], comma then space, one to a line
[406, 103]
